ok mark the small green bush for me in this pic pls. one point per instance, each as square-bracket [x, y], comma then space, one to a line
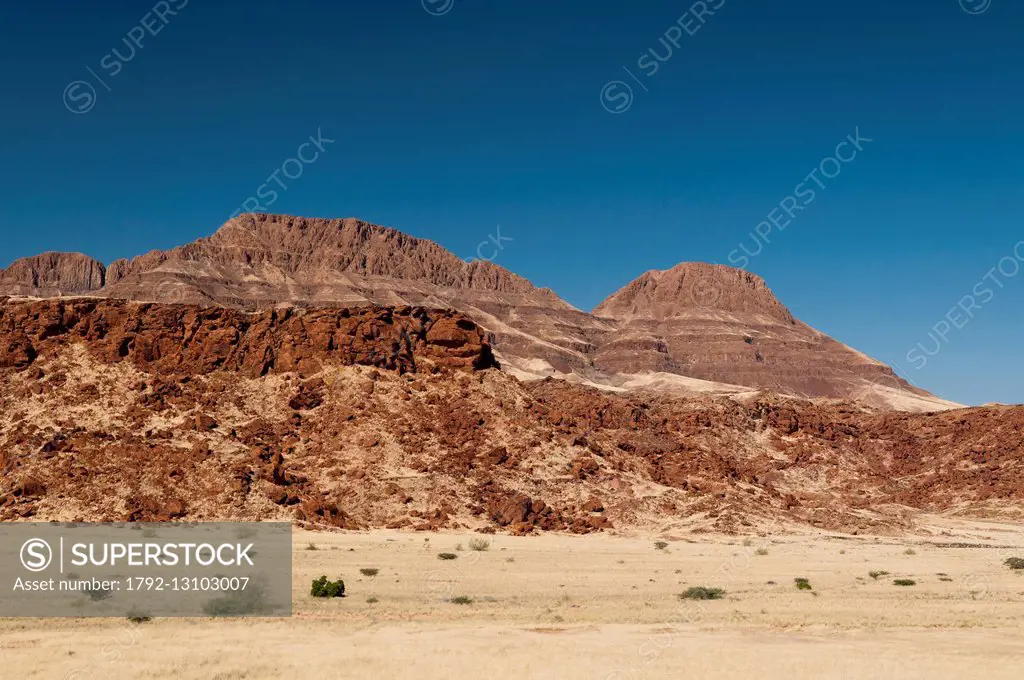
[909, 551]
[660, 545]
[761, 551]
[369, 572]
[479, 544]
[702, 593]
[802, 584]
[462, 599]
[312, 546]
[904, 582]
[324, 588]
[876, 574]
[372, 600]
[447, 556]
[1015, 563]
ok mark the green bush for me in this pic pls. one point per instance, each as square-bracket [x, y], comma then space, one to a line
[660, 545]
[876, 574]
[324, 588]
[1015, 563]
[802, 584]
[462, 599]
[479, 544]
[702, 593]
[447, 556]
[904, 582]
[369, 572]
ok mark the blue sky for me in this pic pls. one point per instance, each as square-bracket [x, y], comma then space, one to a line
[481, 114]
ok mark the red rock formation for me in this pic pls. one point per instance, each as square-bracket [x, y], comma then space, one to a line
[179, 339]
[259, 261]
[112, 410]
[52, 274]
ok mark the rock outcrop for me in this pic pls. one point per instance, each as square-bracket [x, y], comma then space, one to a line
[259, 261]
[187, 340]
[373, 417]
[53, 274]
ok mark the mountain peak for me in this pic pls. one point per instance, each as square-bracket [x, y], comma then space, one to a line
[693, 289]
[53, 273]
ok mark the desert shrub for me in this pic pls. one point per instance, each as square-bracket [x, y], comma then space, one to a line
[447, 556]
[238, 603]
[876, 574]
[761, 551]
[138, 616]
[372, 600]
[909, 551]
[458, 547]
[945, 579]
[747, 542]
[660, 545]
[510, 559]
[479, 544]
[97, 594]
[904, 582]
[702, 593]
[1015, 563]
[802, 584]
[312, 546]
[324, 588]
[461, 599]
[369, 572]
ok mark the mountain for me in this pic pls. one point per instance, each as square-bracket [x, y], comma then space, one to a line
[722, 324]
[694, 329]
[396, 417]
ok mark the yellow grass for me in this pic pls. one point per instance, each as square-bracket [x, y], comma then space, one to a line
[596, 607]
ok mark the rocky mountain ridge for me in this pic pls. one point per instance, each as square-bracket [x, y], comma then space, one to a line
[695, 328]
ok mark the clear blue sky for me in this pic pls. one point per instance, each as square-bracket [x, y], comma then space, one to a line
[492, 114]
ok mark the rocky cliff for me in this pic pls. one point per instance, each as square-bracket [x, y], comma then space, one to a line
[184, 340]
[53, 274]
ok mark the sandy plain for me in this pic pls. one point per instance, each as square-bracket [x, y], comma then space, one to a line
[601, 607]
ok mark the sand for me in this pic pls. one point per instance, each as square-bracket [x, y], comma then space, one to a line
[598, 607]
